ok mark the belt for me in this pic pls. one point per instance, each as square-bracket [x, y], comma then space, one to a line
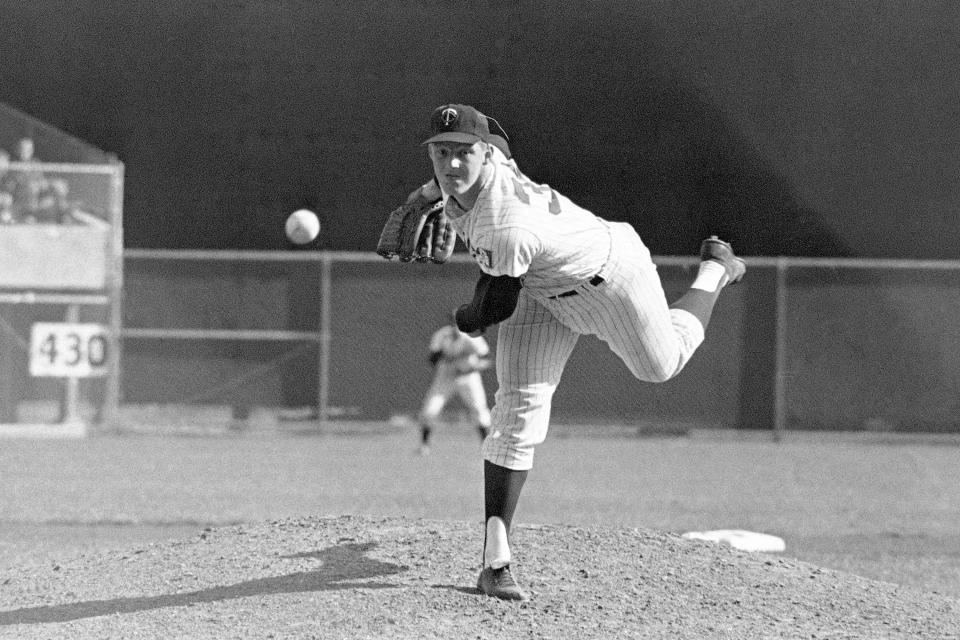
[594, 281]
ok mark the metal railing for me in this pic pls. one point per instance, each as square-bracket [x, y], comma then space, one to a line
[781, 268]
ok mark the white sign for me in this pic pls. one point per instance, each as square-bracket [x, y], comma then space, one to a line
[68, 350]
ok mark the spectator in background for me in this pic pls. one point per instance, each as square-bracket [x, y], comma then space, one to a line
[53, 206]
[7, 215]
[35, 198]
[6, 208]
[26, 185]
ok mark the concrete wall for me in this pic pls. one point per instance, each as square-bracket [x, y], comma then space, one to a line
[802, 128]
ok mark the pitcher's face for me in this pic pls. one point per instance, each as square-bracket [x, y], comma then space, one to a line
[459, 166]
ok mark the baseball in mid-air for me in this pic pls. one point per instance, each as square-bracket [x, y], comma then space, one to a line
[303, 226]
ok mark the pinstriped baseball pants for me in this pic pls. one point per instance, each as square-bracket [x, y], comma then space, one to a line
[628, 311]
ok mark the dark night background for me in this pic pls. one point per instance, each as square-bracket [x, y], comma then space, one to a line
[801, 128]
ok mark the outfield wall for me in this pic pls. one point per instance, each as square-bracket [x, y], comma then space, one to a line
[805, 344]
[787, 128]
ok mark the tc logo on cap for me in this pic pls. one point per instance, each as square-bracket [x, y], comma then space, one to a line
[448, 116]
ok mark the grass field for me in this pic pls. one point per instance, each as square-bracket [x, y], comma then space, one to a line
[883, 510]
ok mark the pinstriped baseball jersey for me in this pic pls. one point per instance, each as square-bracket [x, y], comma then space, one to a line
[628, 311]
[522, 229]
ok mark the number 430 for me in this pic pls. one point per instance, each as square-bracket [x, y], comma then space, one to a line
[72, 349]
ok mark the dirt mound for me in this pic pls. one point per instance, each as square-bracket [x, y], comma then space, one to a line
[358, 577]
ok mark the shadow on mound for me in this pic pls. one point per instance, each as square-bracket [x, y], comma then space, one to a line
[584, 582]
[344, 566]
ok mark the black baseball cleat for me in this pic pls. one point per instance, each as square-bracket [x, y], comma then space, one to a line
[713, 248]
[499, 583]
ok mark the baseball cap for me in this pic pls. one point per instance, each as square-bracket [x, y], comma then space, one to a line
[462, 123]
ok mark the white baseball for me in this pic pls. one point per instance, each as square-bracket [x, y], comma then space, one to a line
[303, 226]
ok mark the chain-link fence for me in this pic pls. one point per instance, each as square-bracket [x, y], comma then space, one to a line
[800, 344]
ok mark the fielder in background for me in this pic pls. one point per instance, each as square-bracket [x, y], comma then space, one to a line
[457, 361]
[550, 272]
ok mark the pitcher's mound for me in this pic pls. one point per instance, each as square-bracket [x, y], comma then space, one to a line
[377, 577]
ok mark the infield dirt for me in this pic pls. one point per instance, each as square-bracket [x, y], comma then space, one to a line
[370, 577]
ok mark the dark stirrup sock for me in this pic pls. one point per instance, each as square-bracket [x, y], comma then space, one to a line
[501, 490]
[699, 303]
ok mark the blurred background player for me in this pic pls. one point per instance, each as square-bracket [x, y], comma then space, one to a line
[457, 362]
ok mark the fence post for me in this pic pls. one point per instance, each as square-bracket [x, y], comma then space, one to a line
[70, 403]
[112, 396]
[323, 351]
[780, 409]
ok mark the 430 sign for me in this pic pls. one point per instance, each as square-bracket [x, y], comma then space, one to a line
[69, 350]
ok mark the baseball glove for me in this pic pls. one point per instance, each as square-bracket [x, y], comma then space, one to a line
[418, 230]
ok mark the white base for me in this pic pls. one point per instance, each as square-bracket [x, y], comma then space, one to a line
[740, 539]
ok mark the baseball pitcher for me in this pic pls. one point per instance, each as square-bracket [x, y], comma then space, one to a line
[550, 272]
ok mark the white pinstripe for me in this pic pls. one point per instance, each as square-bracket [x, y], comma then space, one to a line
[522, 229]
[629, 311]
[532, 350]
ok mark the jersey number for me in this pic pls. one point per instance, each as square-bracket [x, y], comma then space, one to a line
[528, 191]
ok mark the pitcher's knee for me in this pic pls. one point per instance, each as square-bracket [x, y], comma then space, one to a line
[664, 374]
[657, 370]
[504, 452]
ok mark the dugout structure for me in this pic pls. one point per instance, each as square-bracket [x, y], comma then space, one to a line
[61, 265]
